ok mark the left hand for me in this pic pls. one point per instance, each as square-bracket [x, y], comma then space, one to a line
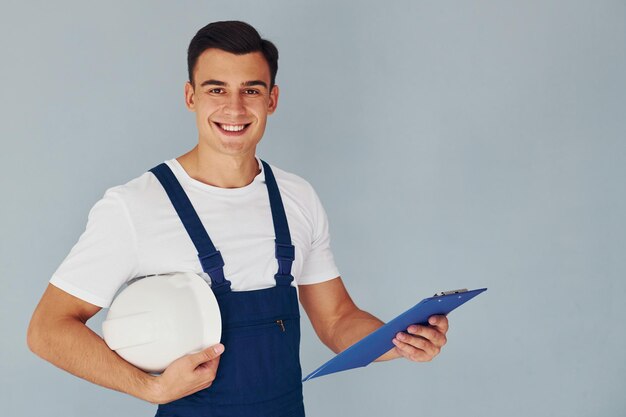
[422, 343]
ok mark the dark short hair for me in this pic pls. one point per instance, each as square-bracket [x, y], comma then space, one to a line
[235, 37]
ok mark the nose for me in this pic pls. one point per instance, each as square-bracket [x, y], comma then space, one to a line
[234, 105]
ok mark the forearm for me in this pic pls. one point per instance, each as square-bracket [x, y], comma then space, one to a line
[339, 323]
[352, 327]
[70, 345]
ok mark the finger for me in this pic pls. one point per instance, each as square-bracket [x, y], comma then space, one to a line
[411, 352]
[420, 343]
[209, 368]
[431, 333]
[440, 322]
[206, 355]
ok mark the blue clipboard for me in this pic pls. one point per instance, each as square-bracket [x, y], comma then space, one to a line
[365, 351]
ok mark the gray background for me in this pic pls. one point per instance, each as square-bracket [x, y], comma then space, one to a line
[454, 144]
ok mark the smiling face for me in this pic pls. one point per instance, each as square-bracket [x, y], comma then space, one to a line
[231, 97]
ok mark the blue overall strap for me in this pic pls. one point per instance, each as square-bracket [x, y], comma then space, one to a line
[285, 251]
[210, 258]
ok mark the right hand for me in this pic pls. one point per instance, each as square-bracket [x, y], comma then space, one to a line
[188, 374]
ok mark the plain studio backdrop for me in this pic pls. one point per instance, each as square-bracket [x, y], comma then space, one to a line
[453, 144]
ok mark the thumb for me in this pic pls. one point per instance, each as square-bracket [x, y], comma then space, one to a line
[206, 355]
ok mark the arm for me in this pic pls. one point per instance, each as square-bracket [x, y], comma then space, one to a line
[339, 323]
[58, 333]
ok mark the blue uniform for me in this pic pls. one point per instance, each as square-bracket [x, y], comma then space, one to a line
[259, 373]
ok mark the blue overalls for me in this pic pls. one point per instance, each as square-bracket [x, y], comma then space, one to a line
[259, 373]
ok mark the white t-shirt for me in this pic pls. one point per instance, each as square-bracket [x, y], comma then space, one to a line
[134, 231]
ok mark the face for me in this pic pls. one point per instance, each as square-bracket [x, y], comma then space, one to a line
[232, 100]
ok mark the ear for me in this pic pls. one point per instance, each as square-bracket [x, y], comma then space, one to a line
[273, 103]
[189, 97]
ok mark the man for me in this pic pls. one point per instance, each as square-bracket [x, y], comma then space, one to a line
[264, 243]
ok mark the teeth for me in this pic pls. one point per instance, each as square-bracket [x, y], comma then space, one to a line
[232, 128]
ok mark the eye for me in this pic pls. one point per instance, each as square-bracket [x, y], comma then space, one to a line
[251, 92]
[216, 90]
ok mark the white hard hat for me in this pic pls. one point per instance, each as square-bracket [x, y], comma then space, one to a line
[158, 319]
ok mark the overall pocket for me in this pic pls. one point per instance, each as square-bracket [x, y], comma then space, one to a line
[261, 361]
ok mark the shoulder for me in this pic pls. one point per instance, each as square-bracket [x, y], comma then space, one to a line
[299, 195]
[141, 190]
[291, 182]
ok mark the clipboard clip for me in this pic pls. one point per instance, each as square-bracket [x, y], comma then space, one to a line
[459, 291]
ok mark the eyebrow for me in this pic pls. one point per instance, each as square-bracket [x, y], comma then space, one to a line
[213, 82]
[244, 84]
[254, 82]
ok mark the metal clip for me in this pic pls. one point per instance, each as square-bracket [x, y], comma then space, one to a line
[459, 291]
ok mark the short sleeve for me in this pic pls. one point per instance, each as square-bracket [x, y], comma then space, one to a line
[104, 257]
[319, 264]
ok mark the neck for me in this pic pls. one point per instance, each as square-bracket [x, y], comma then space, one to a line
[223, 171]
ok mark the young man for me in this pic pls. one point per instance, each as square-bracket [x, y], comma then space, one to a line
[271, 232]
